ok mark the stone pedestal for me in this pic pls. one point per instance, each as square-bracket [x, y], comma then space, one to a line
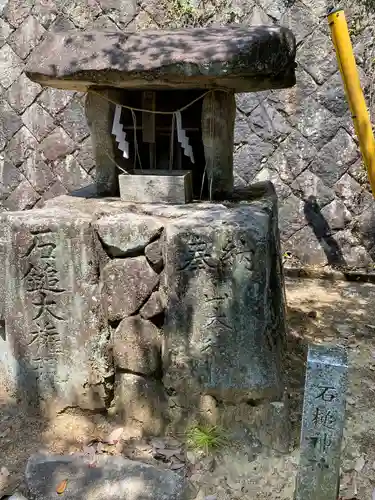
[161, 314]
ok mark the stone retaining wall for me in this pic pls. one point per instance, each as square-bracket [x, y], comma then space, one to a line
[301, 139]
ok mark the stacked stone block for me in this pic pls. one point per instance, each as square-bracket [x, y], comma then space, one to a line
[133, 307]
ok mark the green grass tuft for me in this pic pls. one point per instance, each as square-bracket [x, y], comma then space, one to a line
[206, 438]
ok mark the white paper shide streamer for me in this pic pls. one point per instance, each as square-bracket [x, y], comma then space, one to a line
[119, 133]
[182, 137]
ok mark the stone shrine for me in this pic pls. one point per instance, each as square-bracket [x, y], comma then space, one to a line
[159, 306]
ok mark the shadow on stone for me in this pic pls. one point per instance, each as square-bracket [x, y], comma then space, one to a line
[323, 232]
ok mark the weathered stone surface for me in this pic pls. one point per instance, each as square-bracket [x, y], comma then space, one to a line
[332, 95]
[291, 216]
[140, 401]
[45, 13]
[266, 174]
[53, 322]
[241, 128]
[292, 156]
[57, 144]
[26, 37]
[85, 155]
[306, 247]
[22, 198]
[247, 160]
[10, 177]
[81, 13]
[11, 66]
[247, 102]
[73, 121]
[128, 234]
[36, 170]
[70, 173]
[122, 12]
[126, 284]
[365, 227]
[273, 425]
[158, 186]
[22, 93]
[38, 121]
[315, 122]
[354, 255]
[54, 100]
[335, 157]
[154, 255]
[308, 184]
[301, 19]
[57, 189]
[268, 123]
[236, 57]
[22, 144]
[353, 195]
[316, 56]
[322, 423]
[153, 307]
[15, 12]
[137, 346]
[224, 327]
[336, 214]
[112, 478]
[62, 24]
[5, 31]
[10, 123]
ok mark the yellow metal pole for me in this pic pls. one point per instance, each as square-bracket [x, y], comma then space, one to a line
[353, 90]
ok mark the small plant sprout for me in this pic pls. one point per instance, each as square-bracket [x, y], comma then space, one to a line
[206, 438]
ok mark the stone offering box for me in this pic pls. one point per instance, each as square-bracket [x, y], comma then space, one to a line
[153, 306]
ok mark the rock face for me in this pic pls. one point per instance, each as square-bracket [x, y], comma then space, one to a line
[141, 402]
[224, 316]
[53, 322]
[154, 255]
[153, 307]
[126, 284]
[113, 478]
[238, 58]
[137, 346]
[127, 234]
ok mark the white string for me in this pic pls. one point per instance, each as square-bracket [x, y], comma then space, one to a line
[136, 141]
[172, 142]
[115, 162]
[154, 111]
[212, 131]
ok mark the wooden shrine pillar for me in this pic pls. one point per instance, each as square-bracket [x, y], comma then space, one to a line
[218, 117]
[99, 115]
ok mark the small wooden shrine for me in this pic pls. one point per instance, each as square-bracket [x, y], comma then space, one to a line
[163, 101]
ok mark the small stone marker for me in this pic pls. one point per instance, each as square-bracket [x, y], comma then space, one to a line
[322, 423]
[158, 186]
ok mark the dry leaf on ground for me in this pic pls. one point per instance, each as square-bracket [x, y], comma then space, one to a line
[61, 487]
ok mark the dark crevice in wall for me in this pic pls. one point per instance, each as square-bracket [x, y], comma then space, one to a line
[113, 324]
[156, 376]
[158, 320]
